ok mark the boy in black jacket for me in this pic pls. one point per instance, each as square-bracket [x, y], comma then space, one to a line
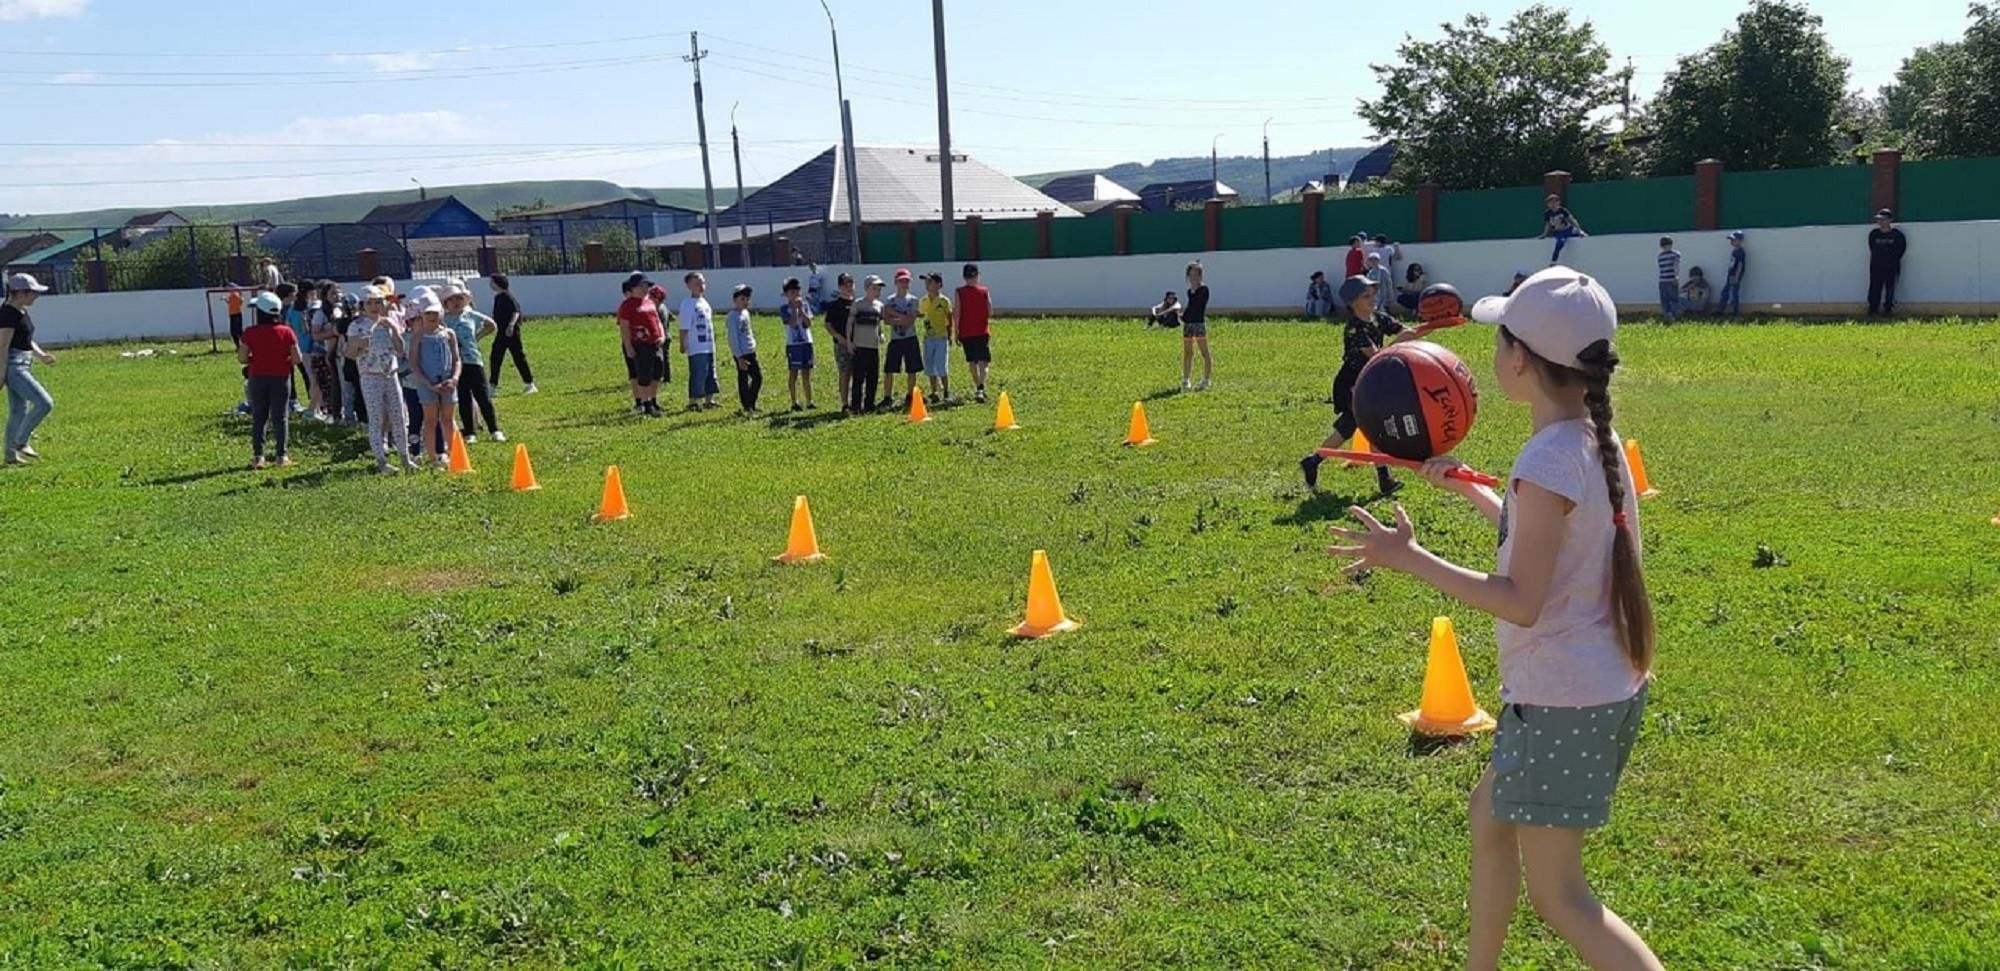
[1367, 328]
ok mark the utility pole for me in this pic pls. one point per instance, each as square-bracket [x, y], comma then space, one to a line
[948, 225]
[1625, 116]
[1214, 172]
[742, 228]
[846, 143]
[1267, 160]
[695, 54]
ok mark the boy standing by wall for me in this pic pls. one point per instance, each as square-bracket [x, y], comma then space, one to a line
[797, 317]
[1670, 279]
[839, 314]
[743, 347]
[935, 309]
[975, 311]
[1732, 280]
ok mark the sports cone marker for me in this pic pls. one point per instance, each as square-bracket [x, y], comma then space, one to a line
[1448, 707]
[1140, 434]
[524, 473]
[917, 410]
[1996, 519]
[1003, 415]
[1638, 464]
[613, 505]
[461, 463]
[1360, 443]
[1045, 609]
[803, 546]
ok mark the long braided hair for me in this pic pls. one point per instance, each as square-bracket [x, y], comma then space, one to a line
[1632, 606]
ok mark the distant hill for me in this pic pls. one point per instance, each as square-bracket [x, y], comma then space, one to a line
[484, 197]
[1244, 174]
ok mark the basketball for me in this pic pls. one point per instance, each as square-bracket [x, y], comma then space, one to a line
[1415, 400]
[1439, 304]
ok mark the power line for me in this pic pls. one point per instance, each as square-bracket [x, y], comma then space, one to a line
[457, 73]
[238, 54]
[251, 177]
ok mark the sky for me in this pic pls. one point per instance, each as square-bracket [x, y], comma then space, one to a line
[189, 102]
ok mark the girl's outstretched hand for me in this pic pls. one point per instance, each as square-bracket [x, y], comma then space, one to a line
[1437, 472]
[1376, 545]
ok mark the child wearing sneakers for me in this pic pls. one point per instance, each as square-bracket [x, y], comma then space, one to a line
[865, 337]
[797, 316]
[939, 331]
[698, 343]
[269, 350]
[975, 310]
[905, 356]
[743, 348]
[1366, 329]
[1573, 618]
[1194, 330]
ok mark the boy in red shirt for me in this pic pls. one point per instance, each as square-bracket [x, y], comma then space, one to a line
[644, 337]
[269, 351]
[975, 311]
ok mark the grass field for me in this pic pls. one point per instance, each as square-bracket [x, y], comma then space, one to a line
[318, 718]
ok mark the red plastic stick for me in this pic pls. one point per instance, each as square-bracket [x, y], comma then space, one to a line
[1376, 458]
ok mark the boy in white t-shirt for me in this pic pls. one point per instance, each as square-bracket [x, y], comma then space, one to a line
[797, 316]
[698, 343]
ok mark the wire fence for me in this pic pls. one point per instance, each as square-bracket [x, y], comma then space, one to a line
[188, 256]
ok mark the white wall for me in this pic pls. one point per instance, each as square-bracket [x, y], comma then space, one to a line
[1807, 270]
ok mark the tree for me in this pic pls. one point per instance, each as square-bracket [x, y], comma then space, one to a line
[1476, 109]
[1960, 115]
[160, 261]
[536, 206]
[1915, 81]
[1767, 96]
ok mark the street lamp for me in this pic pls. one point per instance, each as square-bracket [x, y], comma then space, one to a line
[1267, 160]
[1214, 178]
[846, 143]
[420, 188]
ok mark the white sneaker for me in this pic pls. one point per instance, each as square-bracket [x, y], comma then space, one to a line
[472, 438]
[1186, 385]
[499, 436]
[1203, 386]
[530, 389]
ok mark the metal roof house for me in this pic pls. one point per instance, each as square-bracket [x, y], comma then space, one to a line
[897, 185]
[331, 250]
[1374, 165]
[1167, 196]
[556, 225]
[428, 218]
[1087, 187]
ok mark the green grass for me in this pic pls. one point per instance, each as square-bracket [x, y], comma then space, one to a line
[318, 718]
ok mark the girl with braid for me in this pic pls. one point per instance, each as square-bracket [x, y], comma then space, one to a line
[1574, 622]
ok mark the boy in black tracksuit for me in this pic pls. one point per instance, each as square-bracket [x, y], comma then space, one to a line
[1366, 329]
[1886, 245]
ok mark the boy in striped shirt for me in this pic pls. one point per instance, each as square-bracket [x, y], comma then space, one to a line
[1670, 278]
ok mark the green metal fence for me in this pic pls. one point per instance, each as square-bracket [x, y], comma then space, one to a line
[1795, 197]
[1633, 205]
[1945, 189]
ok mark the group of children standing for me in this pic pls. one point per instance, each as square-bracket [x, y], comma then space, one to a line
[921, 331]
[403, 365]
[1677, 298]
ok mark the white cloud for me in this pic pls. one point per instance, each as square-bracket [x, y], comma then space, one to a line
[391, 62]
[76, 77]
[38, 9]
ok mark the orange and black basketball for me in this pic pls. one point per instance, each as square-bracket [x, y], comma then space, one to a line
[1439, 305]
[1415, 400]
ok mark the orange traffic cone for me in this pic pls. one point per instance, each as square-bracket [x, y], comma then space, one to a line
[1359, 443]
[613, 505]
[1003, 415]
[460, 463]
[524, 473]
[1045, 609]
[917, 410]
[1996, 519]
[1140, 434]
[1638, 464]
[803, 546]
[1448, 707]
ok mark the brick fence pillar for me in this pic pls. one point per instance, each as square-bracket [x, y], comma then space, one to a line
[1556, 184]
[1121, 230]
[489, 260]
[1044, 237]
[1309, 212]
[367, 264]
[1883, 184]
[1708, 194]
[99, 275]
[694, 255]
[1427, 212]
[972, 224]
[781, 251]
[239, 268]
[1211, 224]
[910, 242]
[594, 260]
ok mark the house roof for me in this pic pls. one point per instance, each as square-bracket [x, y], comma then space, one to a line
[726, 234]
[1374, 165]
[16, 246]
[342, 240]
[1087, 187]
[1158, 195]
[553, 211]
[66, 241]
[145, 219]
[897, 185]
[408, 212]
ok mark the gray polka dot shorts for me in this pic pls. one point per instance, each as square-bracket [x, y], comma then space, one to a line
[1559, 766]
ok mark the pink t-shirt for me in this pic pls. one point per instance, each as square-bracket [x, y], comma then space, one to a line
[1571, 658]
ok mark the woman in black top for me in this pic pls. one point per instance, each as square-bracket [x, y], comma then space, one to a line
[507, 317]
[27, 401]
[1194, 330]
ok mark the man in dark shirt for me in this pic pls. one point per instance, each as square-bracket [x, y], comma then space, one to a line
[507, 318]
[1366, 329]
[837, 312]
[1886, 244]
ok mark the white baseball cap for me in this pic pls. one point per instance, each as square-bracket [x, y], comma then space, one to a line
[268, 302]
[1558, 312]
[426, 303]
[24, 281]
